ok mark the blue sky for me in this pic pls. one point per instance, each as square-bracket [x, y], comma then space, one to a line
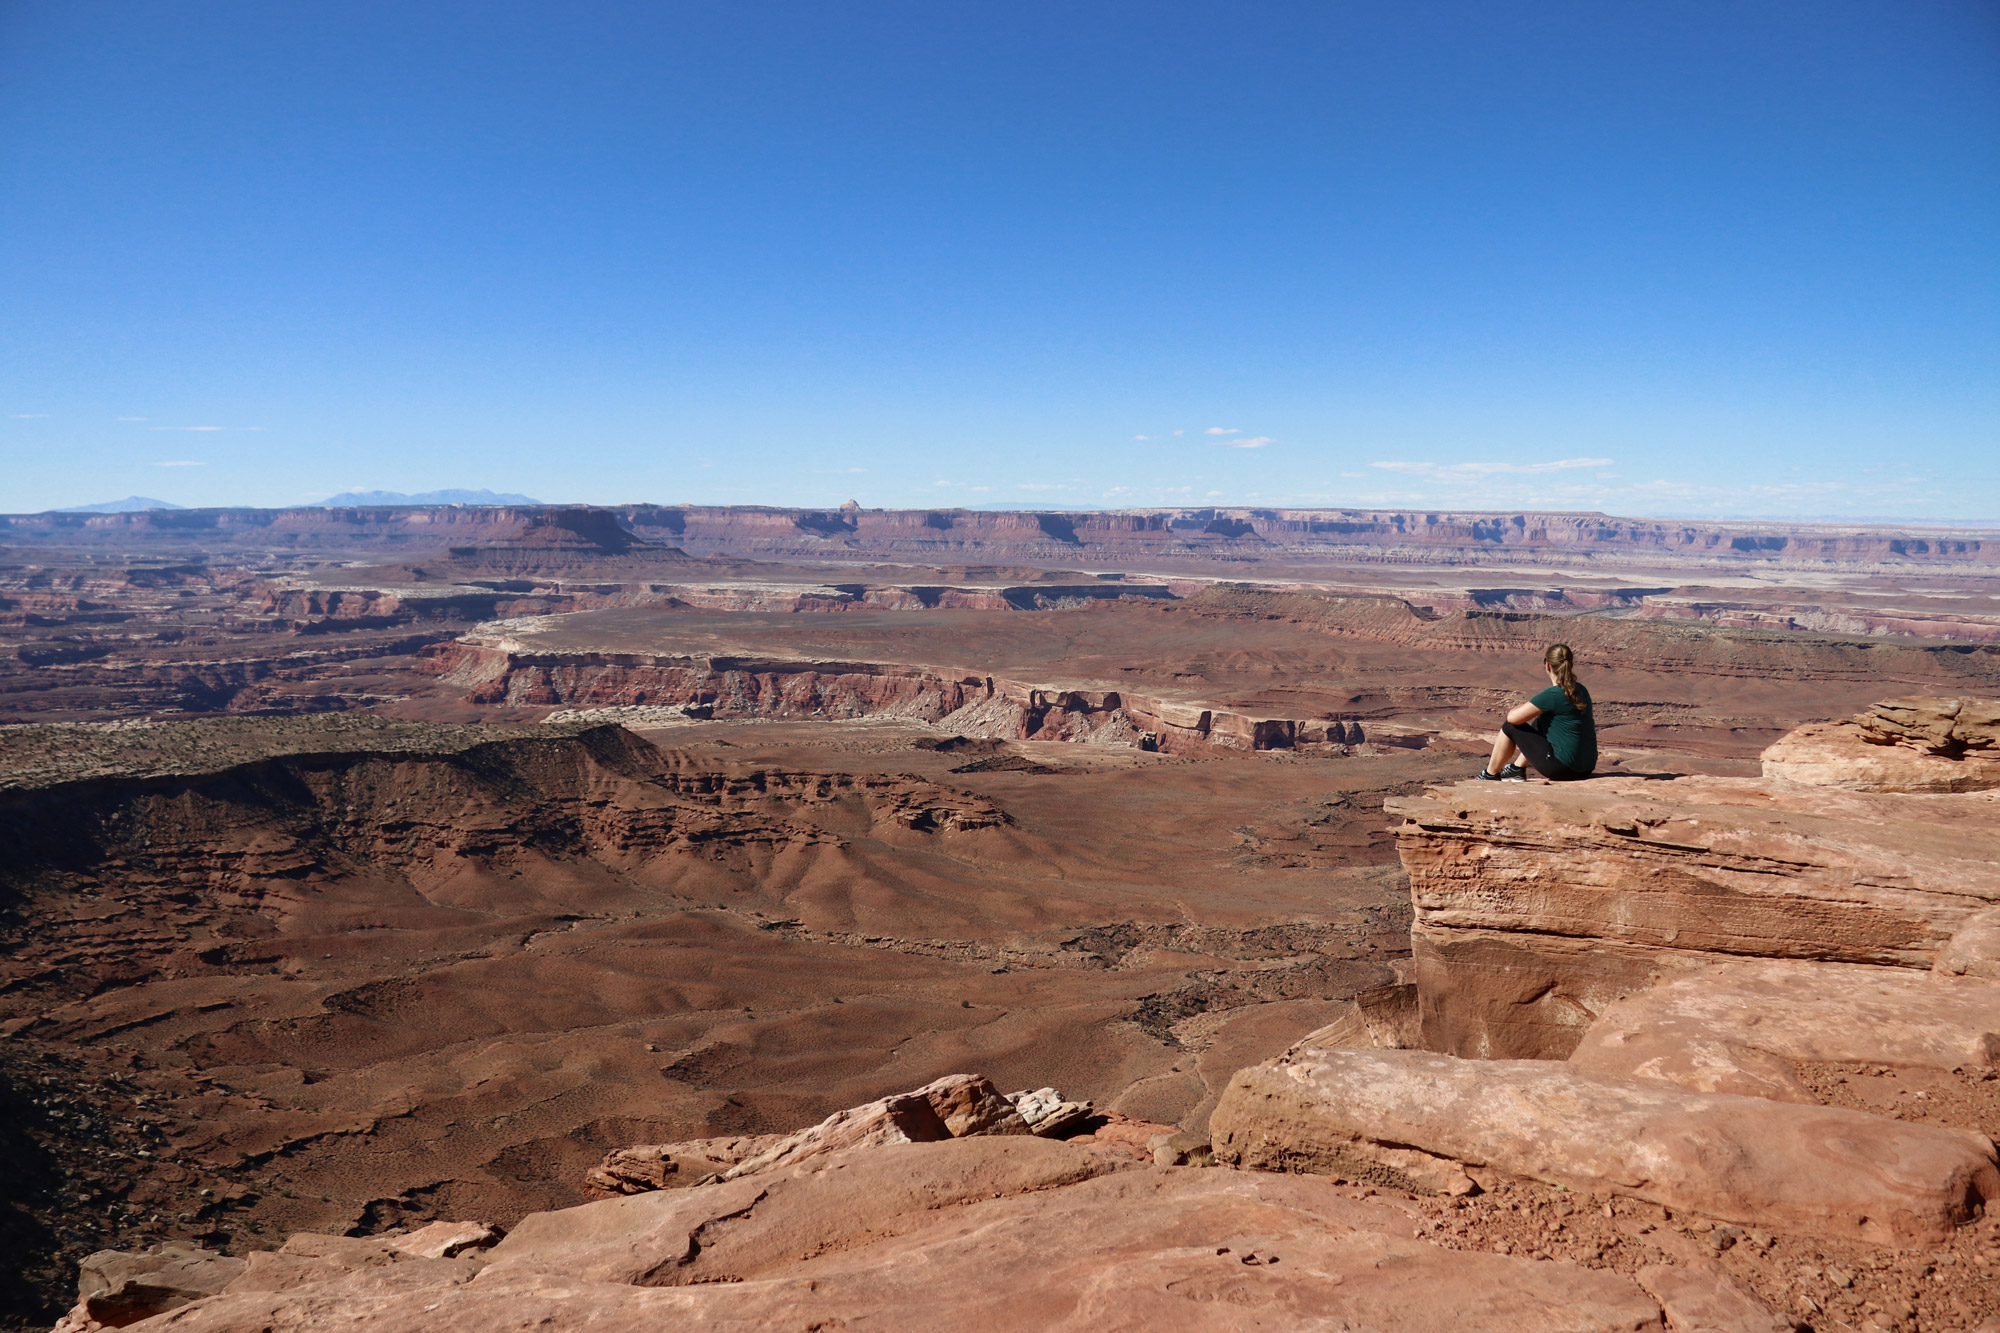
[1694, 259]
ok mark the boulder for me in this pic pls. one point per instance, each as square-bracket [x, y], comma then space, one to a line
[1738, 1027]
[1181, 1148]
[444, 1240]
[956, 1106]
[1898, 745]
[1954, 728]
[658, 1166]
[634, 1170]
[903, 1118]
[1538, 905]
[926, 1115]
[970, 1105]
[1419, 1120]
[1838, 754]
[115, 1288]
[1047, 1113]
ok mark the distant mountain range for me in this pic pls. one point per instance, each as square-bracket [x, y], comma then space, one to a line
[356, 499]
[345, 500]
[129, 505]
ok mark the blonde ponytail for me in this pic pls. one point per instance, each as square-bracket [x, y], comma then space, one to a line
[1561, 662]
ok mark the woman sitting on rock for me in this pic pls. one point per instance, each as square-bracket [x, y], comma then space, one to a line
[1554, 731]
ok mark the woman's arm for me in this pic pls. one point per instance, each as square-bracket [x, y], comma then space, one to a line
[1523, 714]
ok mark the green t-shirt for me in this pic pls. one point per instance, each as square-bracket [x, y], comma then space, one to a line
[1572, 735]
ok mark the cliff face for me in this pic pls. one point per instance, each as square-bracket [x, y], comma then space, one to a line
[232, 839]
[1348, 535]
[1356, 534]
[1767, 1002]
[235, 953]
[1538, 905]
[967, 704]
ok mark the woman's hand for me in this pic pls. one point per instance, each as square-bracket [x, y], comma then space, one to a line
[1523, 714]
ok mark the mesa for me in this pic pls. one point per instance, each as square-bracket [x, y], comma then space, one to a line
[416, 913]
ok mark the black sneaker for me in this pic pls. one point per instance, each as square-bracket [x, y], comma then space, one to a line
[1484, 776]
[1514, 773]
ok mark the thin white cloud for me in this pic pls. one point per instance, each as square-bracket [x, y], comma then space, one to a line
[1221, 430]
[1180, 432]
[1043, 486]
[1248, 442]
[182, 462]
[188, 428]
[1142, 437]
[1476, 471]
[29, 416]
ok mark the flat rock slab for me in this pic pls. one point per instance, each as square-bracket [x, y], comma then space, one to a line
[120, 1288]
[1144, 1249]
[1738, 1027]
[1708, 1300]
[1975, 950]
[1421, 1117]
[747, 1227]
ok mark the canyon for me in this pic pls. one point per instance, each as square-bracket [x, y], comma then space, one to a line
[383, 886]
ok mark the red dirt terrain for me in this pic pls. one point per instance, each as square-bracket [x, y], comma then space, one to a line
[343, 972]
[366, 868]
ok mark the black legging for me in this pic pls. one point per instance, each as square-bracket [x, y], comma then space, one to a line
[1535, 749]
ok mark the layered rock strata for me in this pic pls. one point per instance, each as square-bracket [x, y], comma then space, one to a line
[1899, 745]
[352, 601]
[1746, 1026]
[967, 702]
[1539, 905]
[224, 834]
[1716, 959]
[1355, 536]
[1418, 1120]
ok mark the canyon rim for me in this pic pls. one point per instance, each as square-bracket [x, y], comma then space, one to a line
[665, 917]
